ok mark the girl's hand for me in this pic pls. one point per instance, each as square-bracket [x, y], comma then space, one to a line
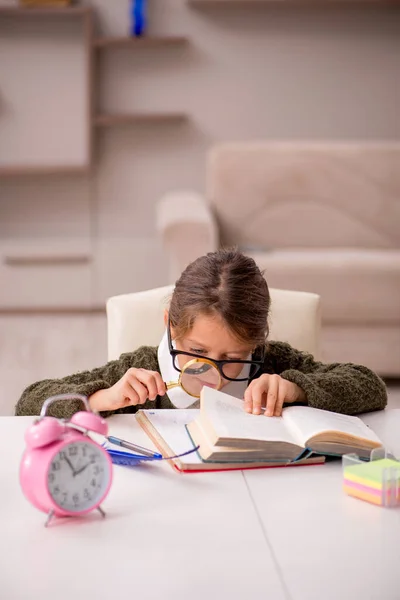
[135, 387]
[271, 391]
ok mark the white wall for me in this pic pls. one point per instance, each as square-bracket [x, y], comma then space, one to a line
[247, 73]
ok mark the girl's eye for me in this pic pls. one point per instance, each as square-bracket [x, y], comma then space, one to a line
[198, 351]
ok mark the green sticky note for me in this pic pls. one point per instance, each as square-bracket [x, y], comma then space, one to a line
[371, 473]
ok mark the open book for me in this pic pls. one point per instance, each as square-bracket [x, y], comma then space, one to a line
[223, 430]
[168, 431]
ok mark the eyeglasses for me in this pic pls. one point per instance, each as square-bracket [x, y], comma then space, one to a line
[229, 369]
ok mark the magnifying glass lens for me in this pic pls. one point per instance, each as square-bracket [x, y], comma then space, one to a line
[196, 374]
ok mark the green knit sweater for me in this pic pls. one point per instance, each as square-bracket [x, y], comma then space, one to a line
[344, 388]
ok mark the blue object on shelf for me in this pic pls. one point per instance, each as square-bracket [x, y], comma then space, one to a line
[138, 17]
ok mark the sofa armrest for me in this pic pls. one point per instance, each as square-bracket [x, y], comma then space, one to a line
[187, 229]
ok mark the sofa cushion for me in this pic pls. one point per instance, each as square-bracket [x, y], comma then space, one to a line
[356, 286]
[306, 194]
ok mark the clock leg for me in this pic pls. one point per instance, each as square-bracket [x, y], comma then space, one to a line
[101, 511]
[49, 518]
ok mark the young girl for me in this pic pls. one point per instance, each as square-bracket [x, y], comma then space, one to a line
[219, 310]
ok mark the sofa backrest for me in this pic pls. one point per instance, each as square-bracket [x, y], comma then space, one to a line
[306, 195]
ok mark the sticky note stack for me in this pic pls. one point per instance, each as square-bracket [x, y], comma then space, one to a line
[377, 481]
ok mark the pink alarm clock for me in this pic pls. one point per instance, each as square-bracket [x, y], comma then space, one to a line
[63, 472]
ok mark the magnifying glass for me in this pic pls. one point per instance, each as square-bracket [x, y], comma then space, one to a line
[196, 374]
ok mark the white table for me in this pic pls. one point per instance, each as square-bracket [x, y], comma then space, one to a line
[166, 536]
[326, 544]
[281, 534]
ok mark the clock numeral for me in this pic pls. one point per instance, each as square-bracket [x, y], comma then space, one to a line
[93, 482]
[93, 458]
[51, 477]
[62, 455]
[64, 497]
[96, 470]
[75, 498]
[56, 466]
[72, 451]
[56, 489]
[86, 493]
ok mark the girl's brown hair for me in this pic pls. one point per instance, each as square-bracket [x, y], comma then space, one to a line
[228, 284]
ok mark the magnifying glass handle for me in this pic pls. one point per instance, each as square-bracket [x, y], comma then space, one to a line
[172, 384]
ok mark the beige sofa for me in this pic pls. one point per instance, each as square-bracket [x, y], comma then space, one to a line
[321, 218]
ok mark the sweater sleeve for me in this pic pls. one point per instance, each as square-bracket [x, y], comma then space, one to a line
[85, 383]
[340, 387]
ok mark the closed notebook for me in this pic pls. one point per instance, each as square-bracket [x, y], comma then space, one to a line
[223, 430]
[168, 431]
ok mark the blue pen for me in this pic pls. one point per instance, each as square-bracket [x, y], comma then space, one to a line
[134, 447]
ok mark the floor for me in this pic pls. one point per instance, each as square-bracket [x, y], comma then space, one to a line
[40, 347]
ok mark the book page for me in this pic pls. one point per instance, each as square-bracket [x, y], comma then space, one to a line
[170, 424]
[229, 419]
[306, 422]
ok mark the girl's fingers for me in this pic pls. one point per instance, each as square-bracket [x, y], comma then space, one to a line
[272, 395]
[153, 381]
[281, 399]
[162, 390]
[128, 402]
[129, 395]
[148, 380]
[259, 392]
[248, 401]
[136, 387]
[267, 393]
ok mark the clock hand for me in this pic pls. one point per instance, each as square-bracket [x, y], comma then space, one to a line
[70, 465]
[81, 469]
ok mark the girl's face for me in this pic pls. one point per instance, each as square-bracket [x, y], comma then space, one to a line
[211, 338]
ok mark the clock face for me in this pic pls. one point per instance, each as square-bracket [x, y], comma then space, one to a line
[78, 476]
